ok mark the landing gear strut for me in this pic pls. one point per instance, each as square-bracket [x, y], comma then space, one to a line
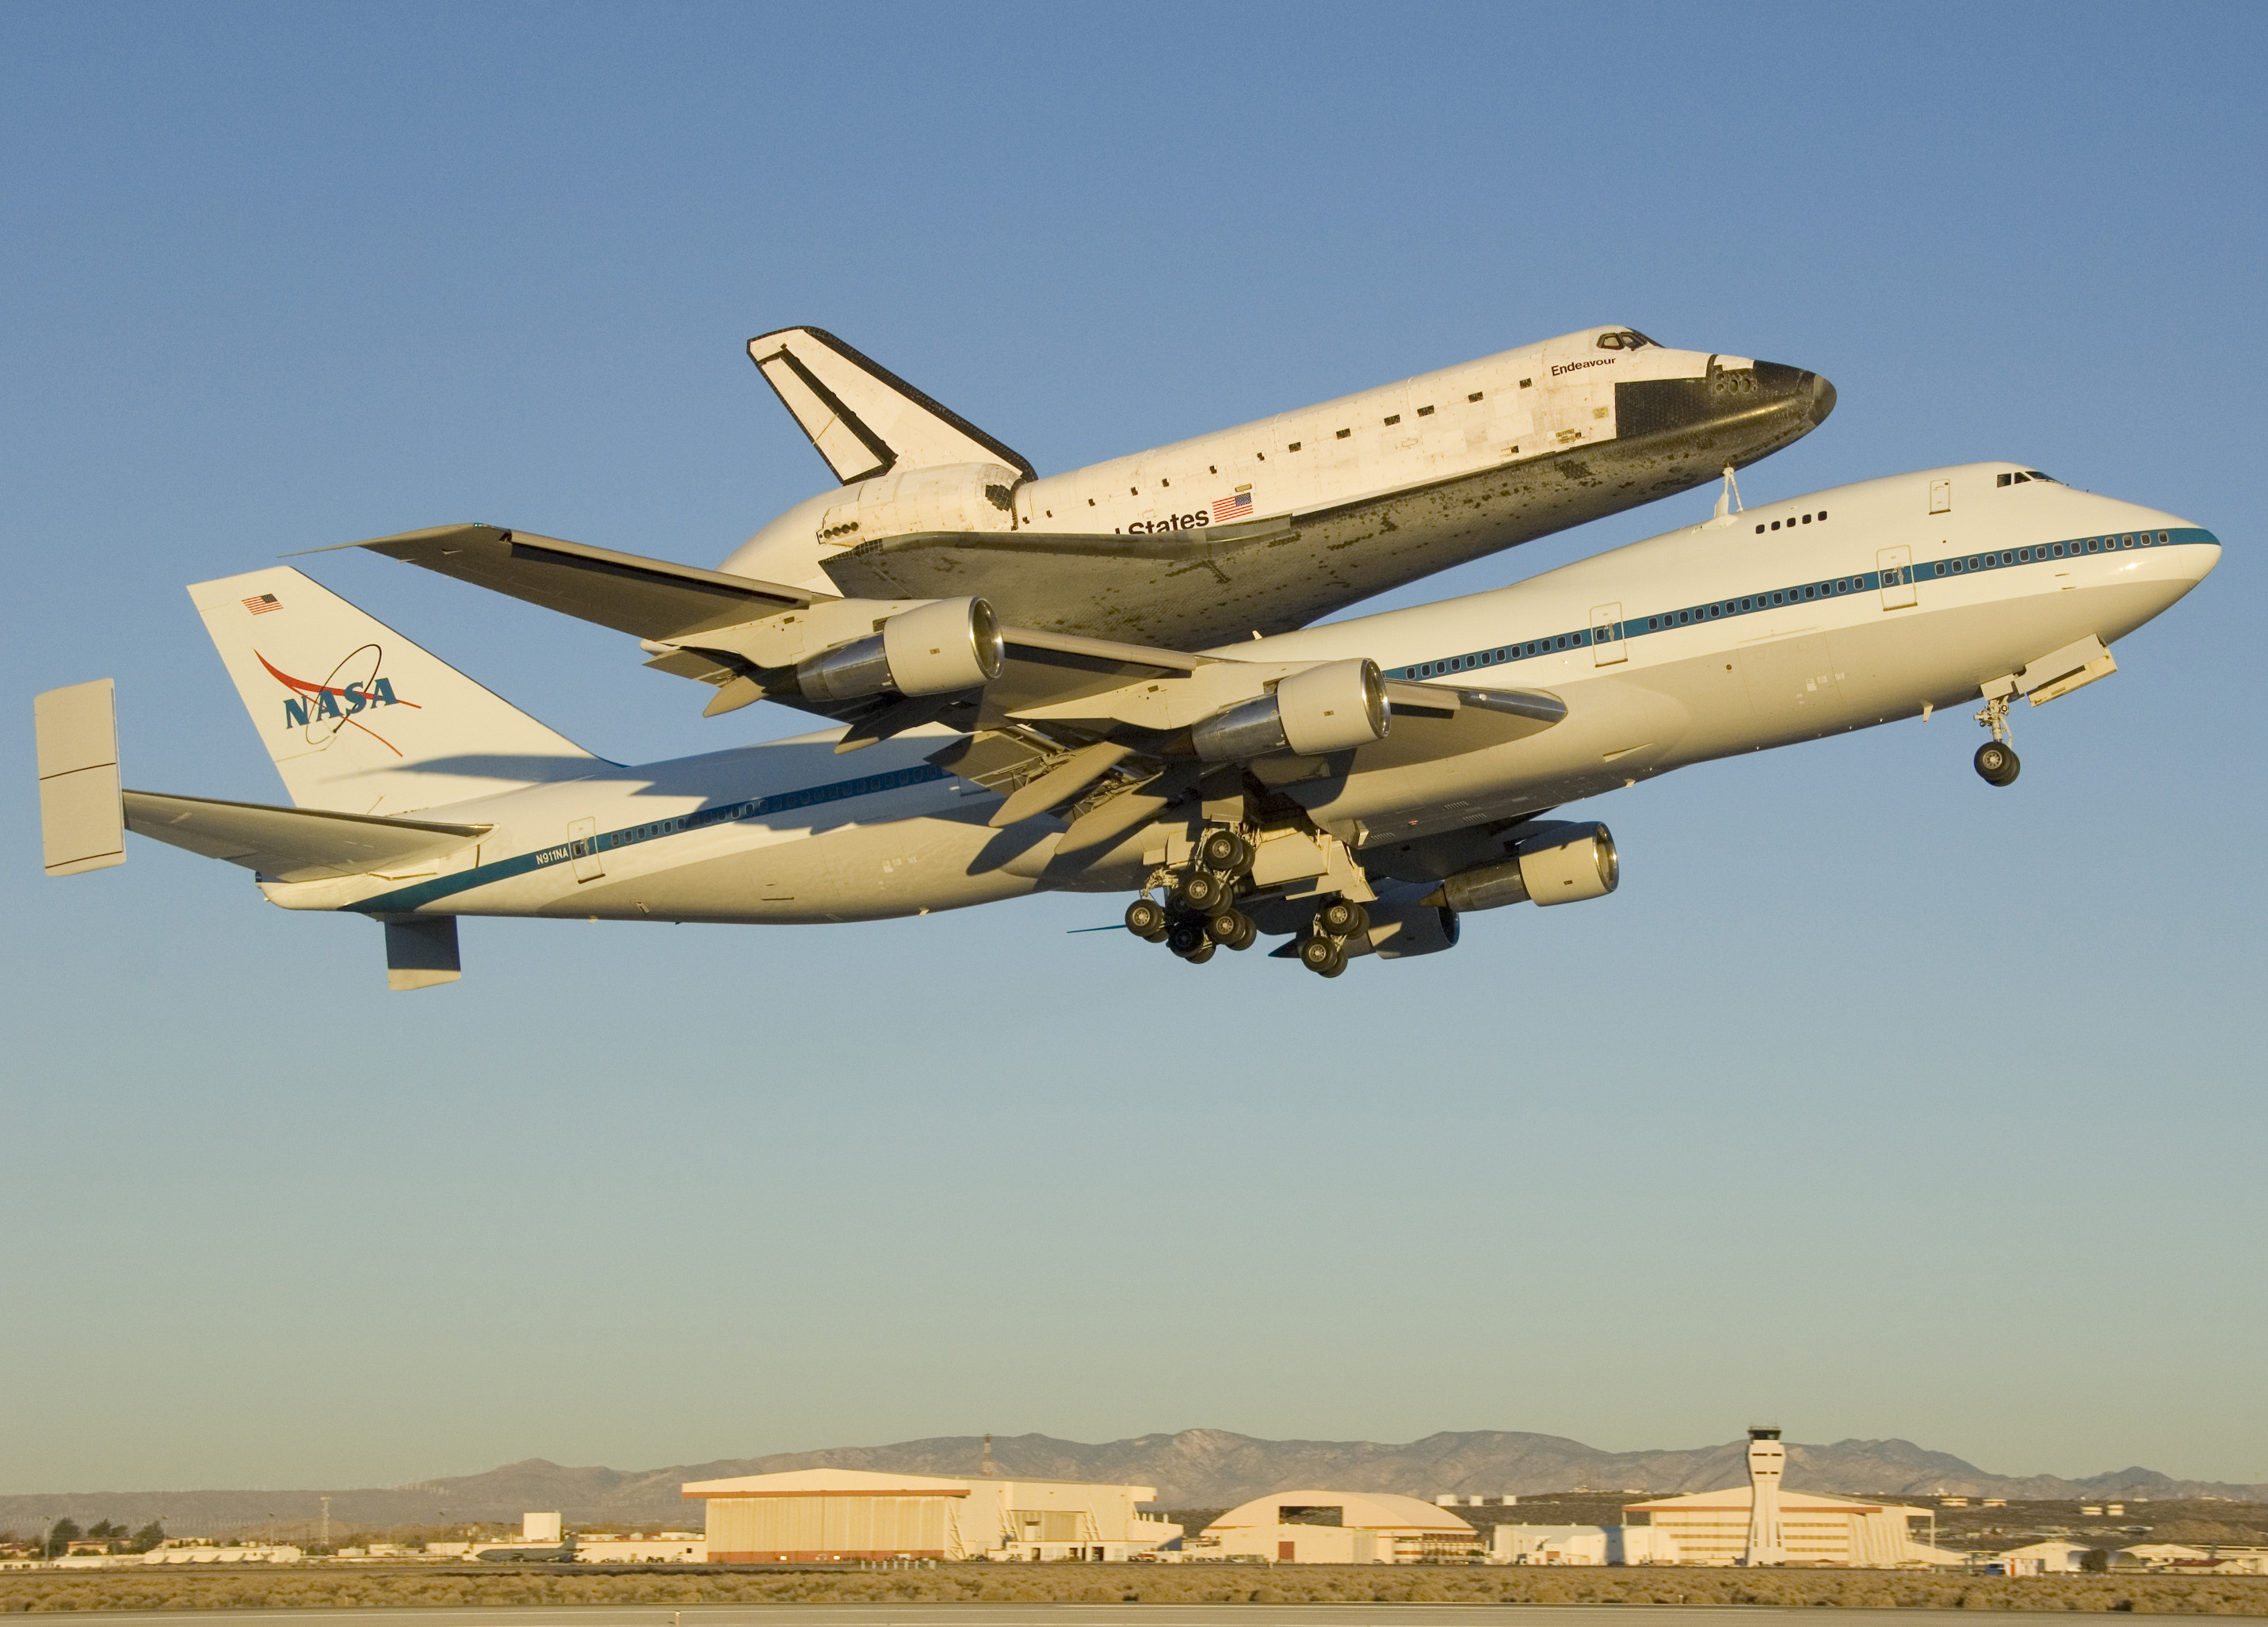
[1996, 760]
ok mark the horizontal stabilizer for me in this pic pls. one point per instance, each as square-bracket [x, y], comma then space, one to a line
[649, 598]
[864, 419]
[292, 844]
[82, 826]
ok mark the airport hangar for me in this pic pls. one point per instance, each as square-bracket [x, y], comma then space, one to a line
[849, 1514]
[1336, 1528]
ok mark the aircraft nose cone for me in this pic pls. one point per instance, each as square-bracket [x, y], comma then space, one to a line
[1798, 387]
[1823, 399]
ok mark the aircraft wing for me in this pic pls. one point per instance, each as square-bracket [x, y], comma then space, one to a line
[292, 844]
[650, 597]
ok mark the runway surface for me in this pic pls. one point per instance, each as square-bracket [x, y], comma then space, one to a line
[1029, 1616]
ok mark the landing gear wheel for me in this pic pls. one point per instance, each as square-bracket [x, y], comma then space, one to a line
[1226, 851]
[1147, 920]
[1201, 890]
[1321, 956]
[1186, 939]
[1997, 763]
[1202, 953]
[1343, 918]
[1231, 929]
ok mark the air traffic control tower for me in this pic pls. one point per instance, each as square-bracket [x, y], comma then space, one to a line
[1767, 1460]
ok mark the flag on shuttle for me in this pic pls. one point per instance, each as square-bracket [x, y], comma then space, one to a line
[263, 605]
[1238, 507]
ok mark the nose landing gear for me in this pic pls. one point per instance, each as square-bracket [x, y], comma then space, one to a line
[1996, 760]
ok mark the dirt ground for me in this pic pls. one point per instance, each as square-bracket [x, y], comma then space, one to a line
[1147, 1584]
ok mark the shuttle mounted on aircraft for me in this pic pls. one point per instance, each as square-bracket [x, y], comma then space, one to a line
[1265, 528]
[1355, 788]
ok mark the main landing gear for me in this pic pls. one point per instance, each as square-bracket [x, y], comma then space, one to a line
[1996, 760]
[1322, 951]
[1199, 914]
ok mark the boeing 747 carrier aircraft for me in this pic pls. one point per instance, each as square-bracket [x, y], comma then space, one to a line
[1254, 530]
[1355, 787]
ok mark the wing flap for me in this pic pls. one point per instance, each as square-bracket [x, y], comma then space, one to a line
[292, 844]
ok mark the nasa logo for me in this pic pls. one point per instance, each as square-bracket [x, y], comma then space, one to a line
[355, 687]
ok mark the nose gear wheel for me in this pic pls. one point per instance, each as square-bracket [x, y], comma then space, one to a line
[1996, 760]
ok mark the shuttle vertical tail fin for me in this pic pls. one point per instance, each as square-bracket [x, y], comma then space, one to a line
[864, 419]
[358, 719]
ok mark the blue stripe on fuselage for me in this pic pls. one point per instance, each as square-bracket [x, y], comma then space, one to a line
[409, 898]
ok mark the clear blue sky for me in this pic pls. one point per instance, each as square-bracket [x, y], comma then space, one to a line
[1876, 1100]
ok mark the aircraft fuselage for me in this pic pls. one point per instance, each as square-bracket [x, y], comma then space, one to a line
[1834, 611]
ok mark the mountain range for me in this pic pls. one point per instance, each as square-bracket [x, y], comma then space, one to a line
[1192, 1468]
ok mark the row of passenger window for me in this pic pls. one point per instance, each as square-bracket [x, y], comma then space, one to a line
[1749, 603]
[1791, 524]
[2051, 550]
[1557, 642]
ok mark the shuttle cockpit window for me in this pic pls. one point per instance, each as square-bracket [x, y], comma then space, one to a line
[1623, 339]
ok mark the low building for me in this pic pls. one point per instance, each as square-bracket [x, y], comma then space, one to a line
[1713, 1527]
[851, 1513]
[2186, 1559]
[667, 1548]
[2044, 1558]
[1621, 1544]
[1336, 1528]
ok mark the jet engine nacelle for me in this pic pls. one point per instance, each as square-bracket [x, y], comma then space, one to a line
[1561, 864]
[953, 496]
[1334, 707]
[934, 649]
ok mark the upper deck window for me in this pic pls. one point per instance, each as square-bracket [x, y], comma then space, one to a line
[1623, 339]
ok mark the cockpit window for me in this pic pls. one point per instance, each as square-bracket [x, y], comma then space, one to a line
[1623, 339]
[2020, 477]
[2050, 479]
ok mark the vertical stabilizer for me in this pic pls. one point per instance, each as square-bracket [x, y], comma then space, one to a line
[358, 719]
[864, 419]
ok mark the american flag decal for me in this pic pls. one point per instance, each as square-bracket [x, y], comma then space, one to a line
[1238, 507]
[263, 605]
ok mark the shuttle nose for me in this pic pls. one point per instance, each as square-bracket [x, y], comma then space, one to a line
[1808, 392]
[1823, 399]
[1727, 415]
